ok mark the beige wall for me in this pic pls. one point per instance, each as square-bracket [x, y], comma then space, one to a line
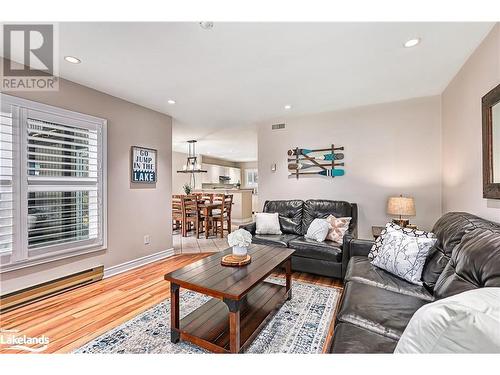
[132, 212]
[461, 122]
[390, 149]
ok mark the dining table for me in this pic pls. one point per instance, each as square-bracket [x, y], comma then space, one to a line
[206, 209]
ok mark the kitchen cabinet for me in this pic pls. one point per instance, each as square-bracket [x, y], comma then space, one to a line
[207, 177]
[215, 171]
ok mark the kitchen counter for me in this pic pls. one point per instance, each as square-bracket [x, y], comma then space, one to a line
[242, 203]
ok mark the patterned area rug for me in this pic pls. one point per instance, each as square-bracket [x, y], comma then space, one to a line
[300, 326]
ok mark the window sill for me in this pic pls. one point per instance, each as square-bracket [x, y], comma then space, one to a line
[49, 258]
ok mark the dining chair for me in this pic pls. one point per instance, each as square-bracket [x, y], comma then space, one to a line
[207, 197]
[177, 212]
[191, 215]
[224, 213]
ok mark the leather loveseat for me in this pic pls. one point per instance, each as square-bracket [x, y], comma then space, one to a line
[377, 306]
[295, 216]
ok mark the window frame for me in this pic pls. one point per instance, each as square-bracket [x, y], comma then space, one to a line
[252, 172]
[19, 257]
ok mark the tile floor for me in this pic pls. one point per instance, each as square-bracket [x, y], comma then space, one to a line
[190, 244]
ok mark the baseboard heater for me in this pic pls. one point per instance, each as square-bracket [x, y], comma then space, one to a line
[50, 288]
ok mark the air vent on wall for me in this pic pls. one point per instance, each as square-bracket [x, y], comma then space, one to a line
[278, 126]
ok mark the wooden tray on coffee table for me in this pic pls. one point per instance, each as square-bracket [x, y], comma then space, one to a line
[231, 260]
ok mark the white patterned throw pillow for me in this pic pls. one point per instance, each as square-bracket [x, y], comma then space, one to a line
[389, 227]
[403, 255]
[318, 230]
[267, 223]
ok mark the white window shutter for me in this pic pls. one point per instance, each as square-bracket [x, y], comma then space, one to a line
[7, 192]
[56, 195]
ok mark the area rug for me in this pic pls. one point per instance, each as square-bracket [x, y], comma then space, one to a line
[300, 326]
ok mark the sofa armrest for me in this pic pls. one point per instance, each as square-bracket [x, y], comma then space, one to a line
[360, 247]
[354, 247]
[350, 235]
[353, 233]
[249, 227]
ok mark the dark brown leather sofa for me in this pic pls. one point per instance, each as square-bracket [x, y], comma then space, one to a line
[377, 306]
[295, 216]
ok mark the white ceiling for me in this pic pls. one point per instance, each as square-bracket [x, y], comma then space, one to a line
[227, 79]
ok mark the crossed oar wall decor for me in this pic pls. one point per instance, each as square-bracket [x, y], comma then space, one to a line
[303, 161]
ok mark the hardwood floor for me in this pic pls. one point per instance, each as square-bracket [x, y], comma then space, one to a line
[73, 318]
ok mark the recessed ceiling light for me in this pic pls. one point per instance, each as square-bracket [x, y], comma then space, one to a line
[171, 101]
[207, 25]
[72, 60]
[412, 42]
[288, 106]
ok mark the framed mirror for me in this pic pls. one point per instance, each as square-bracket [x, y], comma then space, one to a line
[491, 144]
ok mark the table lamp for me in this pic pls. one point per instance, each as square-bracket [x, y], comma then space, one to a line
[401, 206]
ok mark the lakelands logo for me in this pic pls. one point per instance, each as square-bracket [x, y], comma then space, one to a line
[12, 339]
[30, 57]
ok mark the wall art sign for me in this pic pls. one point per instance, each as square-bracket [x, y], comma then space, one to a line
[143, 165]
[316, 162]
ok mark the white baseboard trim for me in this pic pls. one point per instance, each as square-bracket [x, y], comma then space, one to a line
[131, 264]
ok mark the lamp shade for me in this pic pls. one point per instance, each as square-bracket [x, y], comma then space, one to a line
[401, 206]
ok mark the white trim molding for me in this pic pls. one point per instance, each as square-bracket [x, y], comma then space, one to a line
[135, 263]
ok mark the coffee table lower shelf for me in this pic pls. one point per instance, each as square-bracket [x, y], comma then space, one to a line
[208, 326]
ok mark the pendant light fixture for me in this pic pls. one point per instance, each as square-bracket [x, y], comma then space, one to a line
[192, 165]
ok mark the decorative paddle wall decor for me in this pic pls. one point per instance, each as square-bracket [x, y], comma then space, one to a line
[302, 161]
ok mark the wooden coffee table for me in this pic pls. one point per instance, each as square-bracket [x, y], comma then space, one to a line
[243, 302]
